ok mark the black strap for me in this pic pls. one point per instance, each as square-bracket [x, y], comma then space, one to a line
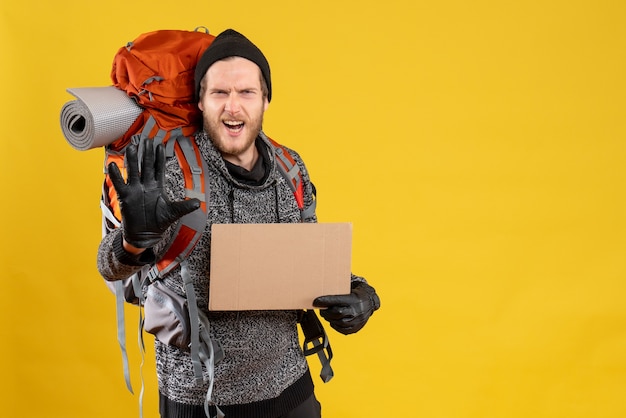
[316, 342]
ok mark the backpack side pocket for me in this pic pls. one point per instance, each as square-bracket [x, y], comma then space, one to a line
[167, 316]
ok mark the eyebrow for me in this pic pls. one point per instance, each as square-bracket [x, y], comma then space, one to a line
[216, 89]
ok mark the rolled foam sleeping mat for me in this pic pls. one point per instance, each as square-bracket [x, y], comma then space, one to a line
[97, 117]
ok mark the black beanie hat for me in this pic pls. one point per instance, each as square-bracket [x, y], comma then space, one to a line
[231, 43]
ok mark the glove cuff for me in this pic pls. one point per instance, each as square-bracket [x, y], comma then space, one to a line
[143, 240]
[124, 257]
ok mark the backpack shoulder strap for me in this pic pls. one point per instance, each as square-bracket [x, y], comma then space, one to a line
[191, 226]
[315, 338]
[290, 170]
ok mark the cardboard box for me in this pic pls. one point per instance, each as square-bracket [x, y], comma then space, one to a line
[278, 266]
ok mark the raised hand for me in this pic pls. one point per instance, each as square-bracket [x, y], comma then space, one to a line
[146, 210]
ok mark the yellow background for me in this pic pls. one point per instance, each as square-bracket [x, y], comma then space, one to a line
[478, 147]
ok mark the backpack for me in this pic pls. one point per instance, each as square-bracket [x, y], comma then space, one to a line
[157, 70]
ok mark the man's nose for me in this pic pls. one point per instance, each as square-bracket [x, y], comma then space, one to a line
[232, 104]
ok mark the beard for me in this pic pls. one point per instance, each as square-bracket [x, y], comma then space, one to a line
[220, 139]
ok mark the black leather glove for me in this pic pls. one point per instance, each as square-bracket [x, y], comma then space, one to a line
[348, 313]
[146, 210]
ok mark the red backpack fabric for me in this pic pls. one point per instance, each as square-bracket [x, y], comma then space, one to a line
[157, 70]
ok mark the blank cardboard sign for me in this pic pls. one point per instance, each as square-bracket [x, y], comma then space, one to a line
[278, 266]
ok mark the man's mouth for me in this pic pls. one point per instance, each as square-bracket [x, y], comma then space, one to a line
[233, 125]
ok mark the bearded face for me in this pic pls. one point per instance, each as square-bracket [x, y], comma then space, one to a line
[233, 104]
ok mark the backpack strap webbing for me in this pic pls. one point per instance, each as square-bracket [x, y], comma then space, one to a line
[186, 235]
[290, 170]
[191, 226]
[315, 335]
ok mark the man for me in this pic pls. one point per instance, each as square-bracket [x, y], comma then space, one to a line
[263, 373]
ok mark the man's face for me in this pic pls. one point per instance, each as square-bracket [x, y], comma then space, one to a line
[233, 106]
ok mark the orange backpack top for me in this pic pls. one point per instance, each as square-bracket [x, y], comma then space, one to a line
[157, 70]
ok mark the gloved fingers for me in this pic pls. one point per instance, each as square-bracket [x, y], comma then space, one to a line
[345, 324]
[147, 165]
[116, 178]
[337, 313]
[349, 325]
[346, 329]
[333, 300]
[159, 165]
[345, 316]
[181, 208]
[133, 164]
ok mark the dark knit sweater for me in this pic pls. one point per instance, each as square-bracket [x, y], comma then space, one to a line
[264, 372]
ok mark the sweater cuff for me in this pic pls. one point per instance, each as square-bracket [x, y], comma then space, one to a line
[124, 257]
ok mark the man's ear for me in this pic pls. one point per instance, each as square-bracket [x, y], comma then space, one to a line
[265, 105]
[200, 106]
